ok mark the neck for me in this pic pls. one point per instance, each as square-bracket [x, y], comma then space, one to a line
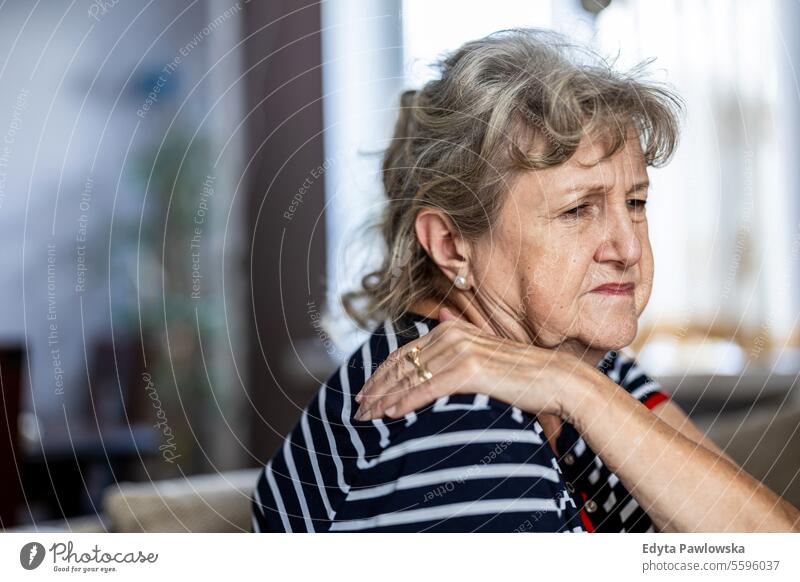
[501, 324]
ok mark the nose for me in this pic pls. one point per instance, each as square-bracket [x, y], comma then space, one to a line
[620, 243]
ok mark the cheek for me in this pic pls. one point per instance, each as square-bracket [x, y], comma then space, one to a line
[646, 271]
[500, 269]
[643, 291]
[556, 275]
[566, 264]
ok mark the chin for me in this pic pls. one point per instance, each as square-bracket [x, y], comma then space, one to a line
[616, 336]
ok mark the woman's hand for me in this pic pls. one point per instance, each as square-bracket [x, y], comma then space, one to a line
[464, 359]
[682, 485]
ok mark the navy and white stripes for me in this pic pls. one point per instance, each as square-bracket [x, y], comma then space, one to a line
[464, 463]
[606, 504]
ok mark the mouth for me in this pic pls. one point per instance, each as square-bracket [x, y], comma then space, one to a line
[615, 289]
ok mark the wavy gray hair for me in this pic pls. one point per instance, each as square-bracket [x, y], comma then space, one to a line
[517, 100]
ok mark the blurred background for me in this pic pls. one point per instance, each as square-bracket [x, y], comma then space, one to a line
[184, 190]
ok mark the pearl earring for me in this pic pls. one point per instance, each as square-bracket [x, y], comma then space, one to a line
[461, 282]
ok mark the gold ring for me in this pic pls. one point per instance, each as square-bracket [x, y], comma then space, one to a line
[413, 355]
[422, 372]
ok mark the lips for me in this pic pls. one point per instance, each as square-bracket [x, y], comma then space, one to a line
[615, 289]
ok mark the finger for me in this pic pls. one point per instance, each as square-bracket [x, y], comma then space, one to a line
[446, 315]
[397, 375]
[422, 395]
[384, 381]
[393, 369]
[376, 409]
[379, 390]
[383, 374]
[407, 384]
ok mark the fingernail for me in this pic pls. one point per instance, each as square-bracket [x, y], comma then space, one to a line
[391, 410]
[358, 397]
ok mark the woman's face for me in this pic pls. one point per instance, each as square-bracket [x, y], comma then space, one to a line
[569, 257]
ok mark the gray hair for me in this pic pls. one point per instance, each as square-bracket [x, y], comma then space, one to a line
[461, 139]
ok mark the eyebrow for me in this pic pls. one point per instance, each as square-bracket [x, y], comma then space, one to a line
[589, 188]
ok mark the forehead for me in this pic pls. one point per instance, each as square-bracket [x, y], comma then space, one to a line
[589, 165]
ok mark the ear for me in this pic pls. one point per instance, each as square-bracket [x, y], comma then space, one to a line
[440, 239]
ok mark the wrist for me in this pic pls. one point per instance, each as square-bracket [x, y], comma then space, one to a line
[585, 393]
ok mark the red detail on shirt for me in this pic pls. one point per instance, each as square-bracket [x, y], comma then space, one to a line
[655, 399]
[587, 524]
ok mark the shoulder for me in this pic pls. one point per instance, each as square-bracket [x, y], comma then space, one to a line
[465, 463]
[461, 424]
[456, 428]
[333, 468]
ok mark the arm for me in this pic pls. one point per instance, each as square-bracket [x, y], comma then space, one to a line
[675, 417]
[684, 483]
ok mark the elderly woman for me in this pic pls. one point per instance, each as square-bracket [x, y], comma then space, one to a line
[494, 395]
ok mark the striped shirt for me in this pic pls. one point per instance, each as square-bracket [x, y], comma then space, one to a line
[464, 463]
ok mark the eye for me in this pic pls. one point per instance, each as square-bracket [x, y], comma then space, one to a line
[576, 212]
[636, 204]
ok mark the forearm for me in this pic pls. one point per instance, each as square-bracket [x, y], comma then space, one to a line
[682, 485]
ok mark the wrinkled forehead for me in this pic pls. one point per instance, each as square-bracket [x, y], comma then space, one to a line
[591, 167]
